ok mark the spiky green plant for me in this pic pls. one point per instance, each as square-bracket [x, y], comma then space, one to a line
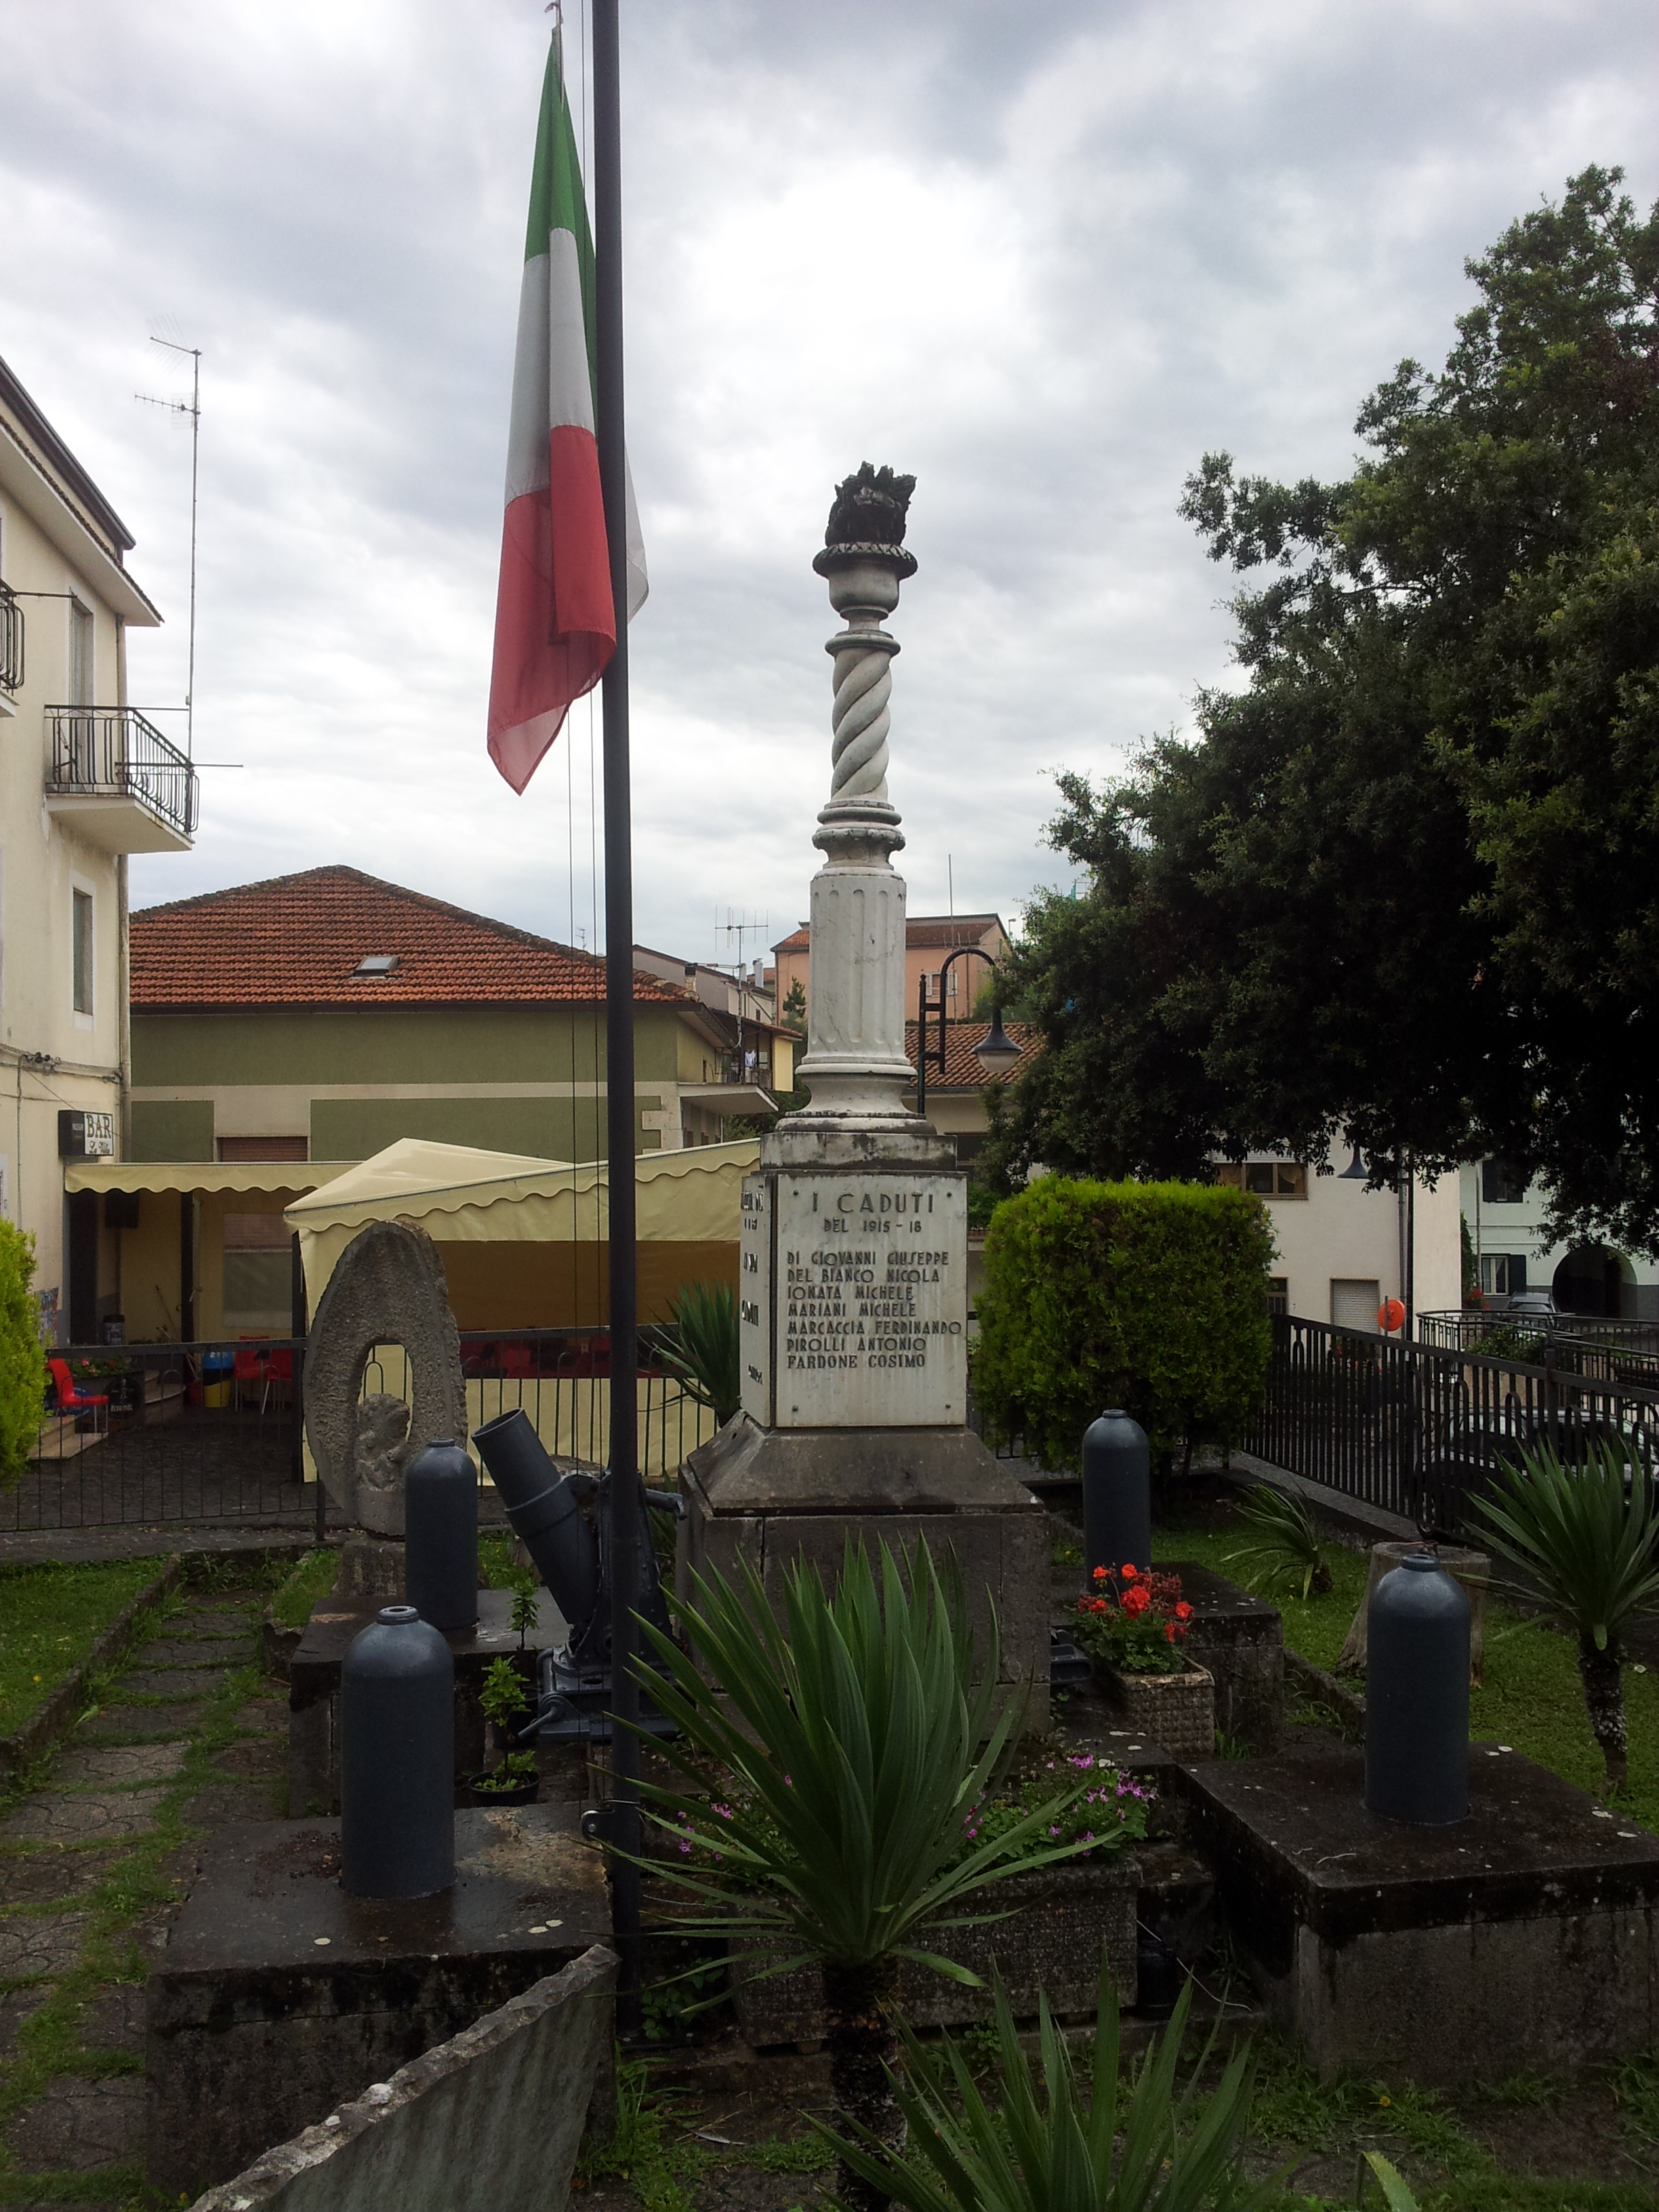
[858, 1731]
[1159, 2146]
[1396, 2191]
[699, 1347]
[1288, 1546]
[1586, 1536]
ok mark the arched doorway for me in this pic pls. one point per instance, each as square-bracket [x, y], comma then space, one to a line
[1594, 1280]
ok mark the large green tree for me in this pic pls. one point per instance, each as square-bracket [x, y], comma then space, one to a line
[1405, 882]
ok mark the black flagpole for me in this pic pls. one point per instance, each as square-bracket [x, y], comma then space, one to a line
[626, 1504]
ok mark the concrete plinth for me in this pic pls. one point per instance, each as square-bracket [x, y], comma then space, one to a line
[314, 1673]
[774, 1496]
[1524, 1938]
[489, 2121]
[279, 1996]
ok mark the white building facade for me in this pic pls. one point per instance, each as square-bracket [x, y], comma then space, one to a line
[1343, 1251]
[83, 783]
[1505, 1217]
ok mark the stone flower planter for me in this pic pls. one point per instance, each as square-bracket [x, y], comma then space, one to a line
[1061, 1918]
[1175, 1710]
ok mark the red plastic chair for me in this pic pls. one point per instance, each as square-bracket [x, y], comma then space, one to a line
[71, 1400]
[249, 1367]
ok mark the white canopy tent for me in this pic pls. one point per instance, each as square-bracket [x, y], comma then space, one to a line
[495, 1215]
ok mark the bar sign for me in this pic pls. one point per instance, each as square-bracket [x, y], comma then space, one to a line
[85, 1136]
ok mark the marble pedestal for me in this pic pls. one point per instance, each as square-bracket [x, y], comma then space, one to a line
[772, 1496]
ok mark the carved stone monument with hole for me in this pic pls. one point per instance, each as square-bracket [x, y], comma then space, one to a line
[387, 1288]
[854, 1245]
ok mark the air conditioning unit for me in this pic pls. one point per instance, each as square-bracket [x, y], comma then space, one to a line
[88, 1136]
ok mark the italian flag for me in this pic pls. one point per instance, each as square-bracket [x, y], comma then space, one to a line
[555, 625]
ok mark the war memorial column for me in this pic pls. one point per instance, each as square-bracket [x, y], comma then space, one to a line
[853, 1285]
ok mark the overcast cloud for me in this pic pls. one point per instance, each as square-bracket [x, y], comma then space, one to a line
[1044, 256]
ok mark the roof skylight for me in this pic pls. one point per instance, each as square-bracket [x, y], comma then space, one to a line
[376, 963]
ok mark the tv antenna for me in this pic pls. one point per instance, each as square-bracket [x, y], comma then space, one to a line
[193, 409]
[738, 928]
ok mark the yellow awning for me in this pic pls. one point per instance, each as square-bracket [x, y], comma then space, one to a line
[459, 1195]
[203, 1174]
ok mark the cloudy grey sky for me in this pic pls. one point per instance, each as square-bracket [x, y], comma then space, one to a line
[1043, 255]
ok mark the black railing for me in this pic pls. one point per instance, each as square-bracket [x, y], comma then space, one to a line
[1464, 1330]
[102, 751]
[193, 1433]
[1418, 1430]
[11, 641]
[562, 1379]
[153, 1435]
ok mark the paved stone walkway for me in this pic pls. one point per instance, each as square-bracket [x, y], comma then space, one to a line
[94, 1853]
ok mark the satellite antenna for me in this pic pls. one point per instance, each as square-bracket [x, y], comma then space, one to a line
[193, 409]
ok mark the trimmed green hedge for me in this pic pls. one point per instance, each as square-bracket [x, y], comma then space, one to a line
[22, 1364]
[1148, 1295]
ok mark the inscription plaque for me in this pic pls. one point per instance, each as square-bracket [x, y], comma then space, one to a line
[853, 1299]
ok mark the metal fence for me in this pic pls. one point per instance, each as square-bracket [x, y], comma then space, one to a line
[161, 1435]
[1416, 1430]
[1608, 1351]
[562, 1379]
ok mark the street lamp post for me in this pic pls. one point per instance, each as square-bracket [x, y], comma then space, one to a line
[996, 1052]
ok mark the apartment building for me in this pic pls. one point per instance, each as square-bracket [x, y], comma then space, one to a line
[84, 783]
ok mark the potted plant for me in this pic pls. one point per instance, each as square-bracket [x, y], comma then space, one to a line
[1131, 1624]
[515, 1781]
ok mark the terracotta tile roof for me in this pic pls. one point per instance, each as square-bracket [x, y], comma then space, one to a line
[925, 929]
[294, 940]
[947, 930]
[962, 1070]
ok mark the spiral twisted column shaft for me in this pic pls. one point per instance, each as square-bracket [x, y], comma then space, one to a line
[855, 1065]
[864, 688]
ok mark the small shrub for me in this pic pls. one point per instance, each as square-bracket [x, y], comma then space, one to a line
[1147, 1296]
[22, 1367]
[699, 1347]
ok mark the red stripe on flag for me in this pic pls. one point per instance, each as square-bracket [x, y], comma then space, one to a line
[554, 626]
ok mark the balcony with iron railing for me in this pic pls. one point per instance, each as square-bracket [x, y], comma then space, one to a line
[114, 779]
[11, 641]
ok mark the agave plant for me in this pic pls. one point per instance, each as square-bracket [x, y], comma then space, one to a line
[1159, 2147]
[1288, 1545]
[700, 1347]
[857, 1732]
[1587, 1538]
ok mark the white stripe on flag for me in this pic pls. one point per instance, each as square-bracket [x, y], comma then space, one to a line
[551, 386]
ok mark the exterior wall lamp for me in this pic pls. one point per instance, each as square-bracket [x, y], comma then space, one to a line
[996, 1052]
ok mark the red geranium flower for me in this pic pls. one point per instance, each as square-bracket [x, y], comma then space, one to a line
[1101, 1574]
[1130, 1572]
[1136, 1602]
[1183, 1611]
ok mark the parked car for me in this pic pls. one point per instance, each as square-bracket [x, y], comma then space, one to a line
[1531, 1305]
[1478, 1443]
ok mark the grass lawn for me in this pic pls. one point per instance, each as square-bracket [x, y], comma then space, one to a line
[293, 1598]
[1530, 1698]
[313, 1578]
[50, 1617]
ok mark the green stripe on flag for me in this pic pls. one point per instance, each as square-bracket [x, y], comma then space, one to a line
[557, 200]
